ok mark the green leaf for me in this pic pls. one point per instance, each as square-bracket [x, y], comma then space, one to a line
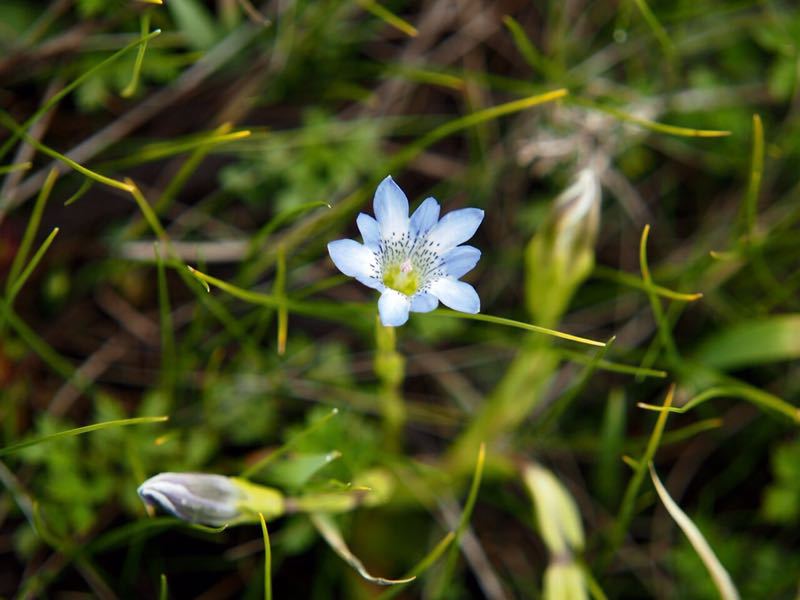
[750, 343]
[194, 20]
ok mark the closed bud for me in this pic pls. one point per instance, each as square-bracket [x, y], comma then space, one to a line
[203, 498]
[561, 255]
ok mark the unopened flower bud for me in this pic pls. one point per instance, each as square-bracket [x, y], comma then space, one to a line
[211, 500]
[561, 255]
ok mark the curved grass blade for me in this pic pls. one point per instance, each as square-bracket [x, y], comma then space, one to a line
[147, 210]
[81, 430]
[751, 394]
[11, 124]
[85, 187]
[330, 533]
[635, 282]
[651, 125]
[658, 311]
[513, 323]
[476, 118]
[722, 580]
[131, 88]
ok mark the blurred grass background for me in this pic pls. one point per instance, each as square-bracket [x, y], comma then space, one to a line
[335, 95]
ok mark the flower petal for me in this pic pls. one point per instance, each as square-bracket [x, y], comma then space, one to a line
[351, 258]
[370, 231]
[423, 302]
[393, 308]
[425, 217]
[460, 260]
[456, 294]
[371, 282]
[456, 227]
[391, 208]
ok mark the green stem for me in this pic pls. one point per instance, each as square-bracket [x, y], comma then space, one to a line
[390, 369]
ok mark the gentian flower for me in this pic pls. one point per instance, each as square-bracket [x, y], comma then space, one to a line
[414, 262]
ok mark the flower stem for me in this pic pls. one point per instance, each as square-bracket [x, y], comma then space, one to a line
[390, 369]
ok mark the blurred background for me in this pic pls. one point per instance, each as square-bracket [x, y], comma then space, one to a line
[245, 136]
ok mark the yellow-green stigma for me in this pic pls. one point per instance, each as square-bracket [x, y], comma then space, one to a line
[401, 277]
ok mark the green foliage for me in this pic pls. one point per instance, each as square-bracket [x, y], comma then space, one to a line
[255, 135]
[781, 503]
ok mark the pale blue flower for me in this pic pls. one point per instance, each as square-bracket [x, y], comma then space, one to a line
[414, 262]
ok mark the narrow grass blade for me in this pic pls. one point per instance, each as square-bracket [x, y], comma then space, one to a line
[163, 591]
[526, 48]
[640, 467]
[81, 430]
[466, 514]
[658, 312]
[169, 365]
[754, 182]
[56, 98]
[37, 257]
[331, 534]
[427, 76]
[562, 402]
[30, 230]
[247, 295]
[23, 166]
[279, 290]
[635, 282]
[751, 394]
[147, 211]
[262, 463]
[658, 31]
[722, 580]
[612, 436]
[85, 187]
[513, 323]
[267, 559]
[614, 367]
[476, 118]
[131, 88]
[254, 263]
[157, 151]
[389, 17]
[51, 358]
[218, 136]
[426, 563]
[651, 125]
[9, 123]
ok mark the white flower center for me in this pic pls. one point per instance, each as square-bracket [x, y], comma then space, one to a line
[408, 264]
